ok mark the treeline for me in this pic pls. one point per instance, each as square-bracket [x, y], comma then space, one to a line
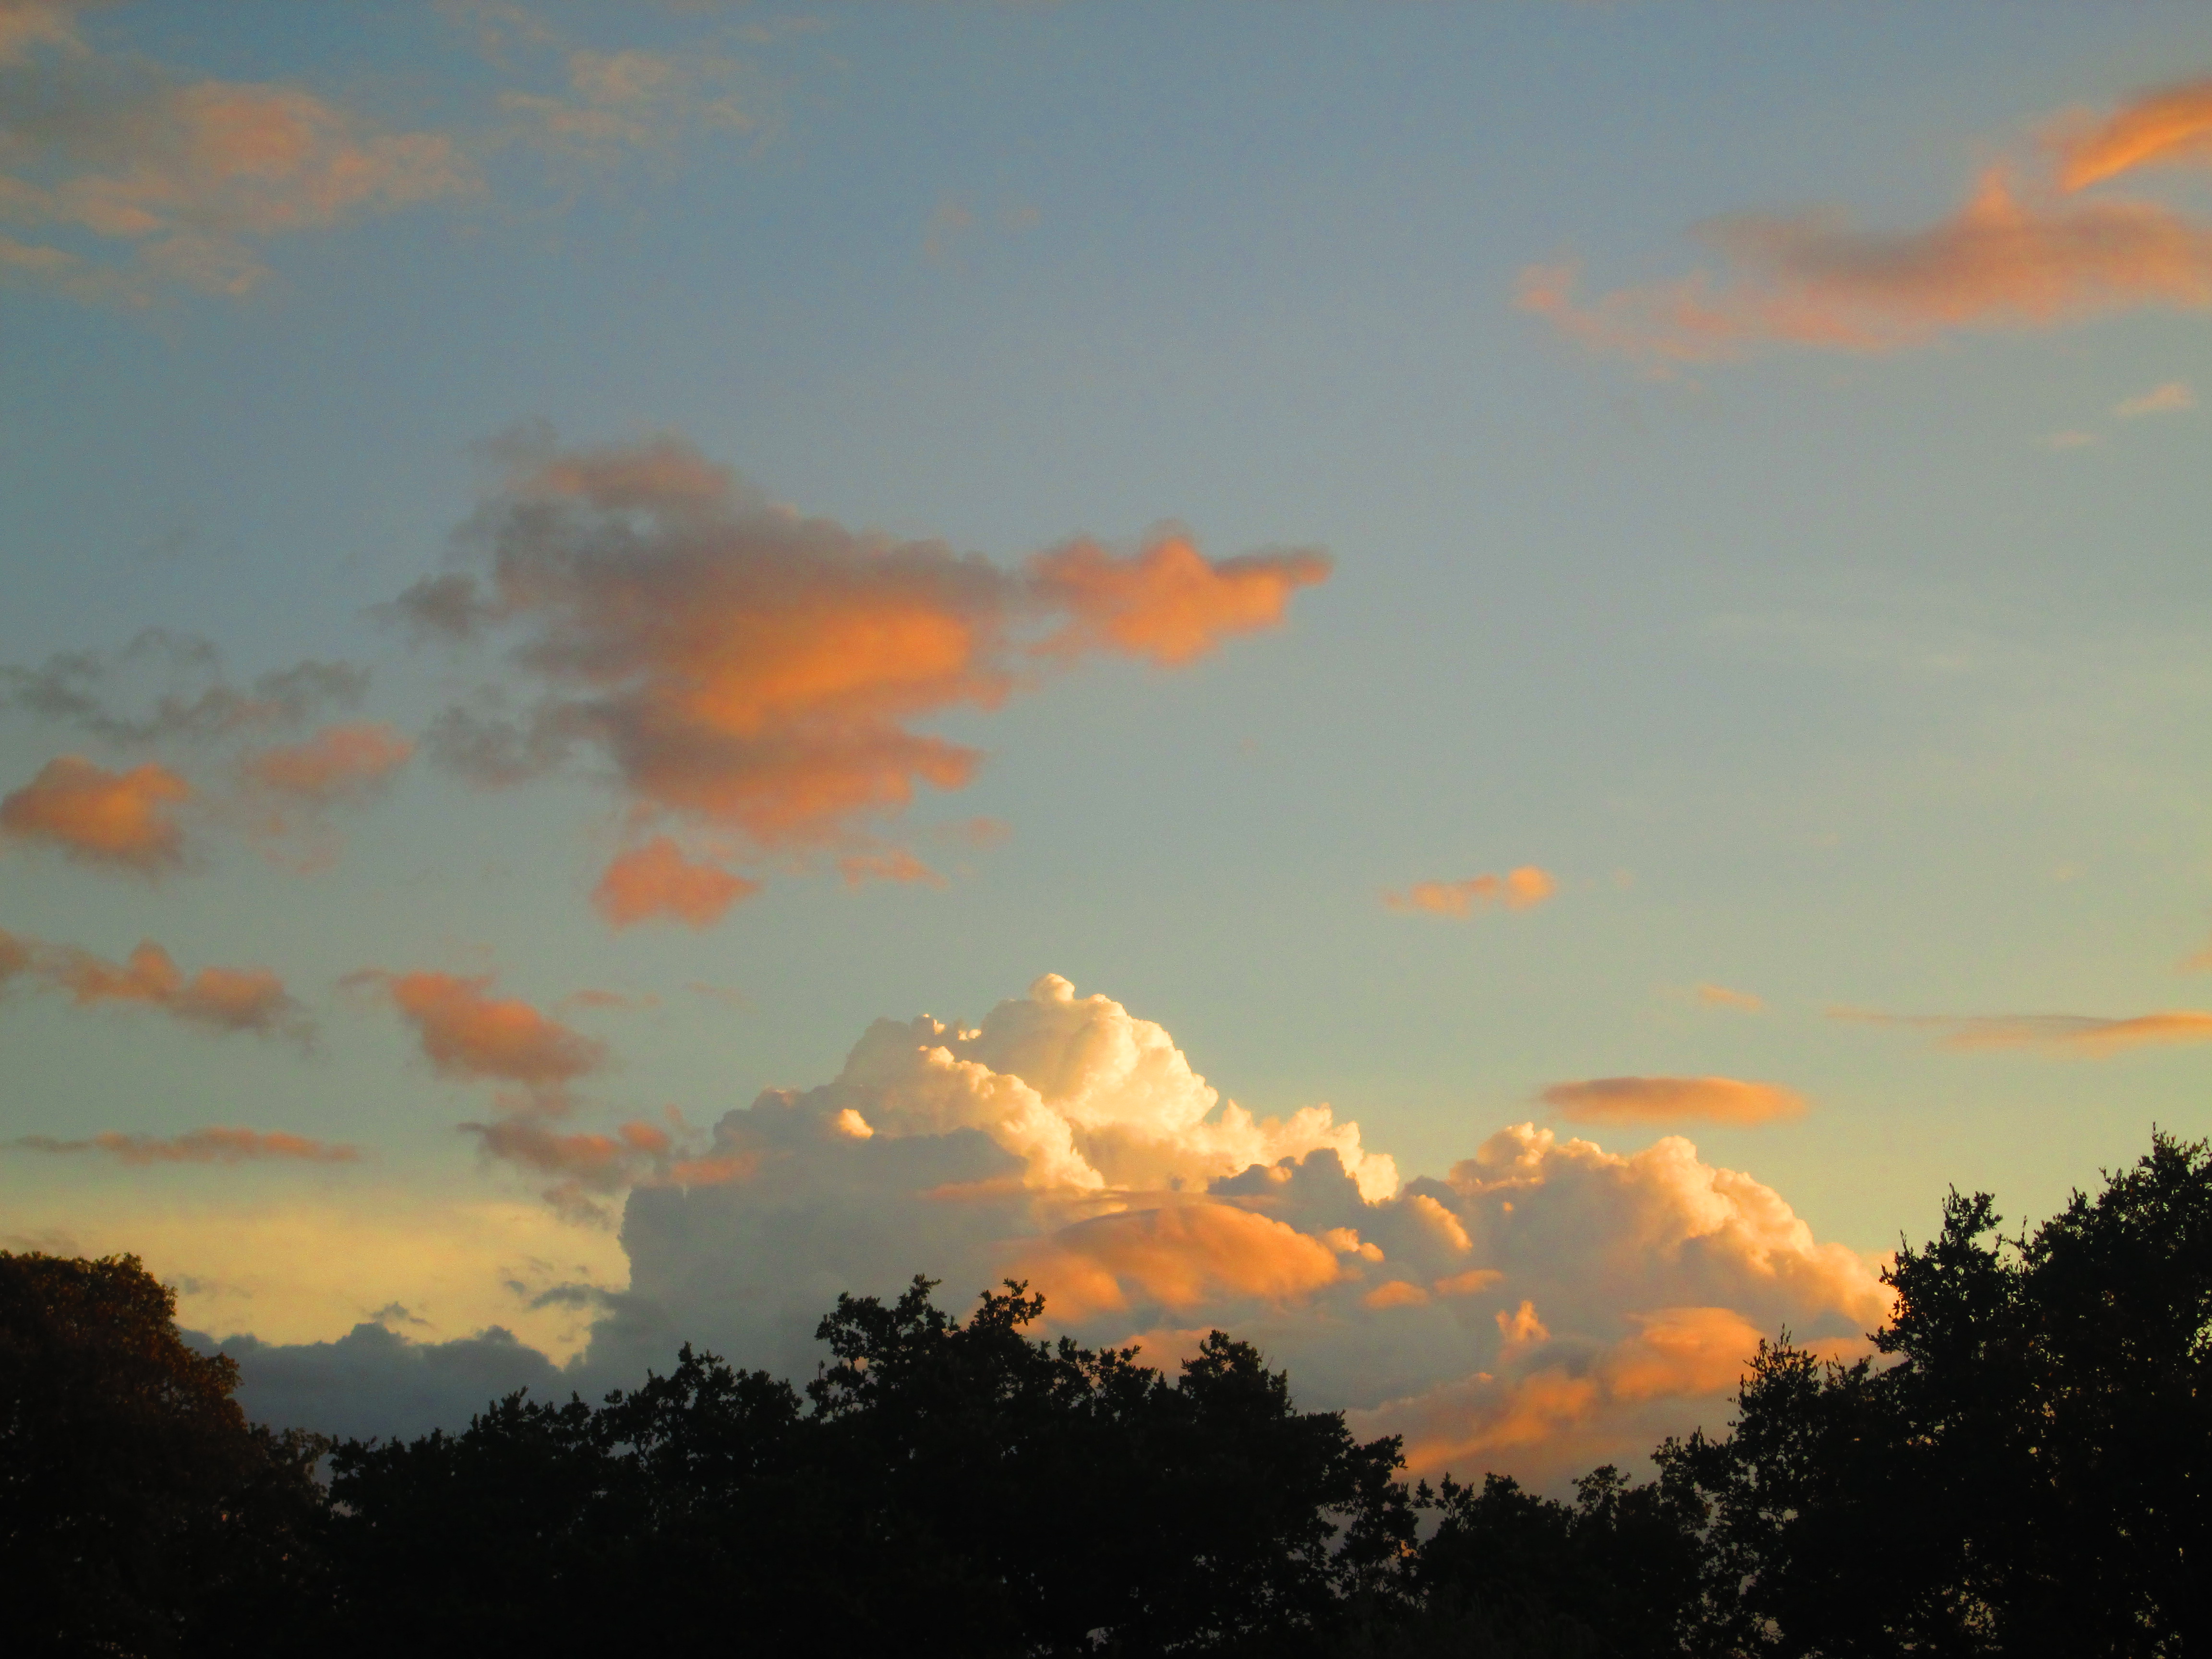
[2023, 1471]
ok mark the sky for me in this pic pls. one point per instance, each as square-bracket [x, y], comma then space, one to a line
[1474, 689]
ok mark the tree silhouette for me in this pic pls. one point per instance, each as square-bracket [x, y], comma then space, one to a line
[2029, 1474]
[139, 1513]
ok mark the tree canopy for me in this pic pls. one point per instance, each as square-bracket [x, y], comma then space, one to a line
[2020, 1469]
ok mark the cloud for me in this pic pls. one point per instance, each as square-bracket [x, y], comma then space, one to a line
[654, 881]
[339, 762]
[583, 1164]
[208, 1146]
[2006, 259]
[757, 674]
[895, 866]
[180, 680]
[1544, 1305]
[286, 793]
[1518, 889]
[151, 181]
[1719, 996]
[28, 23]
[119, 820]
[2174, 398]
[467, 1034]
[2172, 128]
[614, 106]
[1065, 1140]
[1168, 603]
[218, 999]
[2081, 1035]
[1178, 1258]
[1672, 1100]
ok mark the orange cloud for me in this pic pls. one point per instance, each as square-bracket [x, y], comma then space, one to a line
[897, 865]
[1553, 1414]
[2064, 1034]
[1518, 889]
[1169, 603]
[1815, 280]
[221, 998]
[655, 880]
[759, 673]
[2174, 398]
[339, 762]
[1719, 996]
[1672, 1100]
[586, 1164]
[2172, 128]
[466, 1033]
[1177, 1257]
[100, 818]
[208, 1146]
[157, 183]
[1396, 1293]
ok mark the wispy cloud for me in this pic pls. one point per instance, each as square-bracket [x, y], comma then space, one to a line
[139, 179]
[756, 675]
[469, 1034]
[2085, 1035]
[251, 999]
[2022, 253]
[1719, 996]
[1672, 1100]
[1516, 890]
[166, 687]
[208, 1146]
[2173, 397]
[2169, 128]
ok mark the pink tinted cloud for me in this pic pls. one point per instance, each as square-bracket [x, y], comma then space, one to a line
[895, 866]
[1672, 1100]
[2005, 260]
[655, 881]
[1170, 602]
[339, 763]
[150, 182]
[119, 820]
[2172, 128]
[214, 1144]
[469, 1034]
[1178, 1257]
[1517, 889]
[2081, 1035]
[759, 674]
[219, 999]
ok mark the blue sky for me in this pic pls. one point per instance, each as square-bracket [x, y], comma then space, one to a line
[1867, 679]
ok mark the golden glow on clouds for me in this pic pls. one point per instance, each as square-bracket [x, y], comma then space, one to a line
[756, 675]
[1517, 889]
[2172, 128]
[1673, 1100]
[304, 1269]
[218, 999]
[118, 819]
[2021, 253]
[2082, 1036]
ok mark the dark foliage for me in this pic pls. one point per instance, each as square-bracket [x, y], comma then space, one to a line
[139, 1513]
[2022, 1472]
[1017, 1497]
[2030, 1474]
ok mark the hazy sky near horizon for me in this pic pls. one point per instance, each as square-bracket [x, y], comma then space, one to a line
[1638, 568]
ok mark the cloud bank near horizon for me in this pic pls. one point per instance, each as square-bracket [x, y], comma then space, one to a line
[1543, 1304]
